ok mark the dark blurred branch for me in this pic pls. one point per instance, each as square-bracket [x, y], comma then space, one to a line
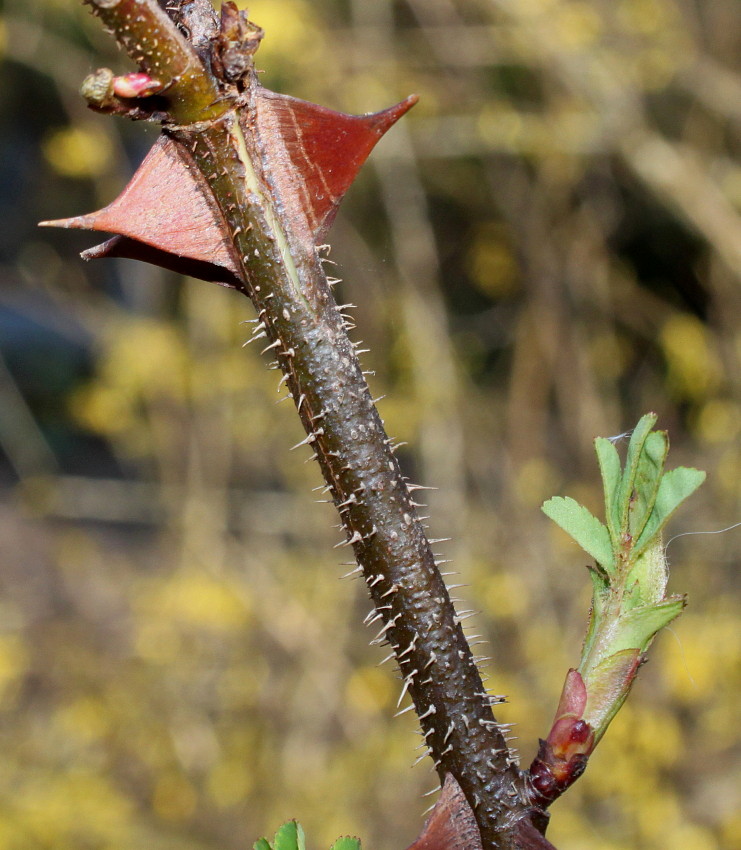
[716, 87]
[681, 178]
[20, 437]
[675, 174]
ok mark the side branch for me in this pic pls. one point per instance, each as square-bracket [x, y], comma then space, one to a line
[159, 49]
[629, 601]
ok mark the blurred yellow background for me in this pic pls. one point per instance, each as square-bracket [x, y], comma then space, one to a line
[547, 247]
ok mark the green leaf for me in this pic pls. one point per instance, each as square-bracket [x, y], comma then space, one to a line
[608, 684]
[290, 837]
[600, 585]
[647, 479]
[675, 486]
[636, 628]
[346, 843]
[583, 526]
[611, 471]
[647, 576]
[635, 448]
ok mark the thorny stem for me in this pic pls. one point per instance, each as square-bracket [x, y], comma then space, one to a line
[304, 331]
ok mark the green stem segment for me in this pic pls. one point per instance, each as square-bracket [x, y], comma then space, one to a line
[158, 48]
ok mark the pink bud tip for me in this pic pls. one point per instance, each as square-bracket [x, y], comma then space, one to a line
[136, 85]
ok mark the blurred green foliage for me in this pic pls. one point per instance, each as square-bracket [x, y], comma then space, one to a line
[290, 836]
[547, 247]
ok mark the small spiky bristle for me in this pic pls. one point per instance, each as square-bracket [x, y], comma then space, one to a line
[433, 791]
[422, 757]
[305, 442]
[405, 687]
[252, 339]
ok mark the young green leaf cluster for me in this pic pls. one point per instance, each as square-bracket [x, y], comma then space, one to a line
[629, 605]
[291, 837]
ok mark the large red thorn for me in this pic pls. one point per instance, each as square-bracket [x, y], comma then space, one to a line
[168, 216]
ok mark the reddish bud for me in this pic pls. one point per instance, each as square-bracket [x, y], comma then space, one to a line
[136, 85]
[580, 732]
[573, 696]
[570, 736]
[562, 758]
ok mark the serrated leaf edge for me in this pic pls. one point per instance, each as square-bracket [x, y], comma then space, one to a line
[598, 543]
